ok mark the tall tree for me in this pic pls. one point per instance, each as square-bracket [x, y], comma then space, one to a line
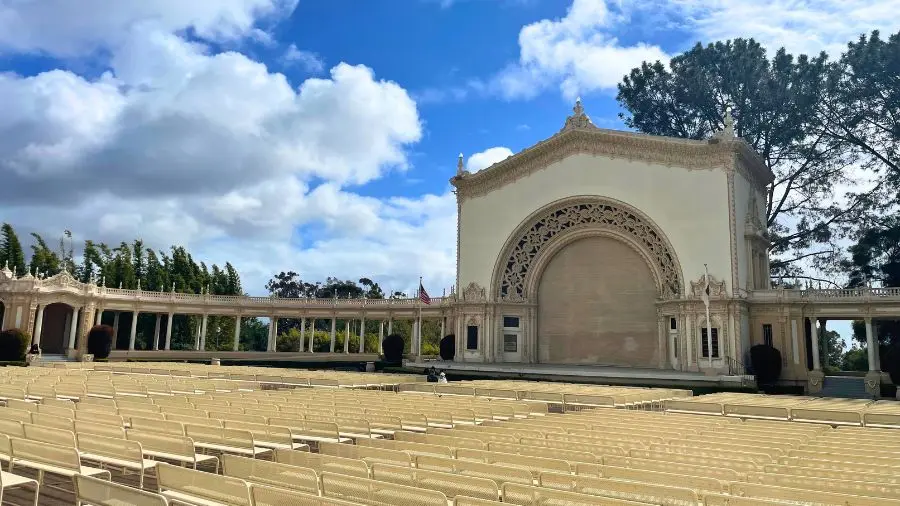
[775, 104]
[44, 261]
[11, 252]
[865, 107]
[875, 260]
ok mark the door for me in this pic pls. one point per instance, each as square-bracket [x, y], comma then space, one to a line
[512, 346]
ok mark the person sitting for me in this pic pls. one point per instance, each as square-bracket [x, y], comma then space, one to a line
[432, 375]
[442, 378]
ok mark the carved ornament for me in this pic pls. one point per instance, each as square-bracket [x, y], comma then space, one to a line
[716, 287]
[522, 252]
[733, 154]
[474, 293]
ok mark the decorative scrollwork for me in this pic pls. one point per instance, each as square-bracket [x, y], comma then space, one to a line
[587, 214]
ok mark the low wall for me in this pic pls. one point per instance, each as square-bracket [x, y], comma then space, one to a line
[243, 356]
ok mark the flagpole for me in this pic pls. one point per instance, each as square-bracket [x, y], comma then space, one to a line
[419, 322]
[708, 328]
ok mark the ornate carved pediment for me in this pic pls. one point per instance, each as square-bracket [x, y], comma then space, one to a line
[578, 119]
[62, 280]
[474, 293]
[473, 320]
[716, 287]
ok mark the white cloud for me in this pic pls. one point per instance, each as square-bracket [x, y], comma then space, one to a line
[802, 26]
[577, 53]
[179, 145]
[66, 28]
[308, 60]
[488, 157]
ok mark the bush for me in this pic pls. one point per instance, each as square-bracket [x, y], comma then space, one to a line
[99, 341]
[766, 362]
[891, 363]
[448, 347]
[393, 348]
[13, 345]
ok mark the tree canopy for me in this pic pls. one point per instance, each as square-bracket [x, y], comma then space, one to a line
[795, 111]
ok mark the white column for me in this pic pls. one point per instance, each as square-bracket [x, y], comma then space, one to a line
[38, 326]
[73, 328]
[237, 333]
[197, 339]
[390, 325]
[273, 336]
[312, 334]
[156, 332]
[794, 345]
[98, 319]
[3, 317]
[115, 328]
[133, 335]
[333, 337]
[168, 344]
[346, 336]
[871, 345]
[302, 332]
[817, 365]
[380, 336]
[362, 334]
[688, 342]
[203, 325]
[443, 325]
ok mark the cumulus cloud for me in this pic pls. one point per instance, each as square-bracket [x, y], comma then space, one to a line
[800, 26]
[177, 144]
[488, 157]
[577, 53]
[307, 60]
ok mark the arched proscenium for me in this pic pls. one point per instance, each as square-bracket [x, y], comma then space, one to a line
[562, 218]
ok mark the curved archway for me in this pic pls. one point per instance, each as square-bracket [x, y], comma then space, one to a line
[540, 235]
[55, 328]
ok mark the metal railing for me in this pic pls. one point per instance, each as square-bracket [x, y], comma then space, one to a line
[737, 368]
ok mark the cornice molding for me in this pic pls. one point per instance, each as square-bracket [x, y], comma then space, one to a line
[718, 153]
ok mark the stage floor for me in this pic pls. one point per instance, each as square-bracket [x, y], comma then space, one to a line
[581, 374]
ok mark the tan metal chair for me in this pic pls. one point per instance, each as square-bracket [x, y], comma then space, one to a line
[96, 492]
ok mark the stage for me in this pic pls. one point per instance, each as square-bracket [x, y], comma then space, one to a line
[584, 374]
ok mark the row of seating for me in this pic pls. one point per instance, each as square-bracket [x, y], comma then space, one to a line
[564, 396]
[829, 411]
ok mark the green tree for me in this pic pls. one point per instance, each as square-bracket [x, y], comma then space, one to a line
[775, 104]
[856, 359]
[43, 259]
[11, 252]
[834, 345]
[865, 108]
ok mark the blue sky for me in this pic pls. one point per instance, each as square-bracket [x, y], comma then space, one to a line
[319, 136]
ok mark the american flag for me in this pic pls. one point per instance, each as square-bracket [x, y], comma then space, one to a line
[423, 295]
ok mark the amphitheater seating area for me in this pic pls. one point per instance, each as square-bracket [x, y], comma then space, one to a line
[162, 434]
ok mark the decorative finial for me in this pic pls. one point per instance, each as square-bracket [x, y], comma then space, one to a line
[120, 285]
[103, 281]
[460, 167]
[207, 289]
[578, 119]
[139, 284]
[173, 287]
[729, 122]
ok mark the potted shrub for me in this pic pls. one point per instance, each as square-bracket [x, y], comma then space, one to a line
[448, 347]
[99, 341]
[13, 345]
[393, 348]
[766, 361]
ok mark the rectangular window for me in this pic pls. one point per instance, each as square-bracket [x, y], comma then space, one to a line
[705, 344]
[673, 324]
[767, 334]
[472, 337]
[510, 322]
[510, 343]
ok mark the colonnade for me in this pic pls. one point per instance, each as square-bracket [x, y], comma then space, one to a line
[201, 331]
